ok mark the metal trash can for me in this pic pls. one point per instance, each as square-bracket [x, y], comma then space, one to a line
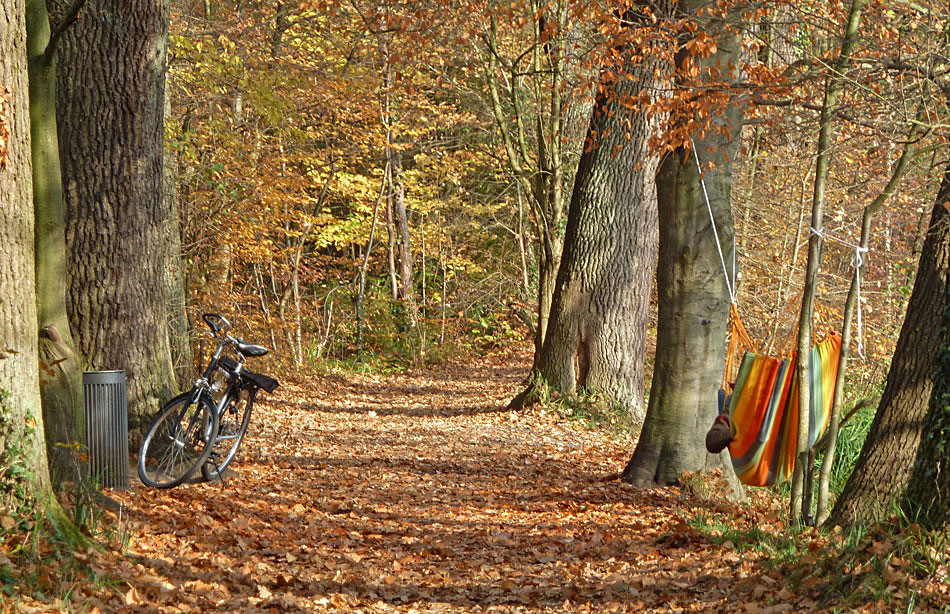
[107, 427]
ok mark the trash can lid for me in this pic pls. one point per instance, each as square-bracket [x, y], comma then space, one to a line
[103, 377]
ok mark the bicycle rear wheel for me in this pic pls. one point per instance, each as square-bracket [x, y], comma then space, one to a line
[176, 443]
[233, 427]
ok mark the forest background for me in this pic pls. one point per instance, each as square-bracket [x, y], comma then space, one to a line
[384, 185]
[281, 120]
[378, 186]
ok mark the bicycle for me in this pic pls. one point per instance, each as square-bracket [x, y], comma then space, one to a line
[196, 429]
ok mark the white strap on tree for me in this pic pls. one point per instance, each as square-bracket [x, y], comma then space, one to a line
[730, 281]
[857, 262]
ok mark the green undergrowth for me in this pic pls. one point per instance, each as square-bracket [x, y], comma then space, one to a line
[40, 562]
[590, 410]
[894, 565]
[594, 411]
[396, 335]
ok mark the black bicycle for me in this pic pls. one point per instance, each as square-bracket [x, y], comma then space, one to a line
[204, 427]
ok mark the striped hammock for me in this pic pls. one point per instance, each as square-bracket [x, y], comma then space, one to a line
[764, 411]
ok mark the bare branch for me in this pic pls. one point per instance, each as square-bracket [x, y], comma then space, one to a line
[71, 16]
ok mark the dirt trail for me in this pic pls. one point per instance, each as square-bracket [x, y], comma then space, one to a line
[420, 493]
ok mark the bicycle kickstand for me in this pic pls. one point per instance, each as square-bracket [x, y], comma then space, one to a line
[219, 472]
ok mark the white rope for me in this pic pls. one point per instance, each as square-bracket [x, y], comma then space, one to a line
[857, 261]
[730, 282]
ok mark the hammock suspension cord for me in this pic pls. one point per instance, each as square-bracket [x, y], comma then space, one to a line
[857, 262]
[730, 281]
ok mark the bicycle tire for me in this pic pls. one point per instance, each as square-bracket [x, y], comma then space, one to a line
[176, 443]
[231, 430]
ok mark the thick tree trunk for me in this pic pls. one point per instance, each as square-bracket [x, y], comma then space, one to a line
[111, 79]
[692, 293]
[596, 336]
[21, 419]
[60, 381]
[693, 308]
[927, 499]
[884, 466]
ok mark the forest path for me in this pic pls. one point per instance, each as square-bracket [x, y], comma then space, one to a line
[419, 492]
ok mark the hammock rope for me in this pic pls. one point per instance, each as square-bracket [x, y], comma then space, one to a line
[763, 406]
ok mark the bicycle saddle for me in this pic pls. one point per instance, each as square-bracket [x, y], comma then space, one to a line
[251, 350]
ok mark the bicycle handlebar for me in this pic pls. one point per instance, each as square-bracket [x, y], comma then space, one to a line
[216, 322]
[220, 327]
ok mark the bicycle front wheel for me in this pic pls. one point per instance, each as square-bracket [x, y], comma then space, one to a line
[233, 427]
[176, 442]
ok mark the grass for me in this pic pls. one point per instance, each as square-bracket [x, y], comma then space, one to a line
[592, 411]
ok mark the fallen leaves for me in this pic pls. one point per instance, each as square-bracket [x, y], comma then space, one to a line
[461, 507]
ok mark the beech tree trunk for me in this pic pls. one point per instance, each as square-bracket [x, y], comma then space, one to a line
[884, 466]
[596, 336]
[60, 381]
[692, 292]
[111, 79]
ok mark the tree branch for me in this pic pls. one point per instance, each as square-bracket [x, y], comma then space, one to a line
[72, 14]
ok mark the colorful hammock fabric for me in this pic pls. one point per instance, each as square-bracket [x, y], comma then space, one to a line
[764, 411]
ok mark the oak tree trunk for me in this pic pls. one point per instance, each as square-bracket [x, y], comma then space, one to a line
[596, 335]
[884, 465]
[927, 499]
[110, 81]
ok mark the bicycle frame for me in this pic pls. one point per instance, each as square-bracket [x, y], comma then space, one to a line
[204, 426]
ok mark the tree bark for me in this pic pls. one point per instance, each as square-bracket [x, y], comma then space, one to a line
[596, 336]
[110, 100]
[692, 289]
[21, 419]
[60, 381]
[403, 245]
[927, 499]
[884, 466]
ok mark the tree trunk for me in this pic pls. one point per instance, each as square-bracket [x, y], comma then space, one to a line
[692, 291]
[60, 382]
[539, 169]
[391, 242]
[927, 499]
[823, 159]
[21, 419]
[281, 24]
[884, 466]
[693, 304]
[111, 79]
[403, 245]
[176, 292]
[596, 336]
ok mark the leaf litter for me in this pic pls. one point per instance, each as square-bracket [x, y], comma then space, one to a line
[419, 492]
